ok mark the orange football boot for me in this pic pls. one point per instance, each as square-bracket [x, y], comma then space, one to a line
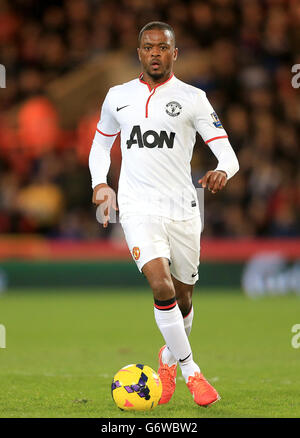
[168, 379]
[204, 393]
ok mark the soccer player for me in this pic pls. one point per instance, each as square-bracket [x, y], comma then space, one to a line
[158, 116]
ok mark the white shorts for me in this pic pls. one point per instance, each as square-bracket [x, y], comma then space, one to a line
[150, 237]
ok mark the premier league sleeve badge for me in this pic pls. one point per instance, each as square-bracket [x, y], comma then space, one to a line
[216, 121]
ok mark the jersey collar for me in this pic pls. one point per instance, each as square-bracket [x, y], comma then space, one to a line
[158, 85]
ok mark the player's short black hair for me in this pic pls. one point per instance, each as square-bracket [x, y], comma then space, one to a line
[156, 25]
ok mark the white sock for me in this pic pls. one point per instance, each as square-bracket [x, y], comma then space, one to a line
[188, 321]
[167, 356]
[171, 326]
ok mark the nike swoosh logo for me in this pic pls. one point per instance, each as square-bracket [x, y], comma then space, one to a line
[182, 360]
[194, 275]
[121, 107]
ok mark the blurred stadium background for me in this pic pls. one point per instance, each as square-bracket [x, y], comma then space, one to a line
[62, 56]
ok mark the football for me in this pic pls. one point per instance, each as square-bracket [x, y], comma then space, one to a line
[136, 387]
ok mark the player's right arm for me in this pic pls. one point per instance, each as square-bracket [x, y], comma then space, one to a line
[99, 158]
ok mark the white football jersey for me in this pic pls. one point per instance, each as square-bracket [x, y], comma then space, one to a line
[158, 129]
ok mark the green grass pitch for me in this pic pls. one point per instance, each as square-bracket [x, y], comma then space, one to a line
[64, 346]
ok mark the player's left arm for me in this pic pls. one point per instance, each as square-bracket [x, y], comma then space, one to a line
[228, 165]
[211, 130]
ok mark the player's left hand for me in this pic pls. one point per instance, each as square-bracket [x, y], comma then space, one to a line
[214, 180]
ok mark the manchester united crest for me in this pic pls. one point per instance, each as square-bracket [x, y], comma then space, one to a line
[173, 109]
[136, 252]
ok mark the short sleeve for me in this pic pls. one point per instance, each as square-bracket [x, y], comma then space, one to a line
[206, 121]
[108, 125]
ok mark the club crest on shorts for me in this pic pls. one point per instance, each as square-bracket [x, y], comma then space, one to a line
[173, 109]
[136, 252]
[216, 121]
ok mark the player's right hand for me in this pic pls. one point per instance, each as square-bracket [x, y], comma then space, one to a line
[104, 196]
